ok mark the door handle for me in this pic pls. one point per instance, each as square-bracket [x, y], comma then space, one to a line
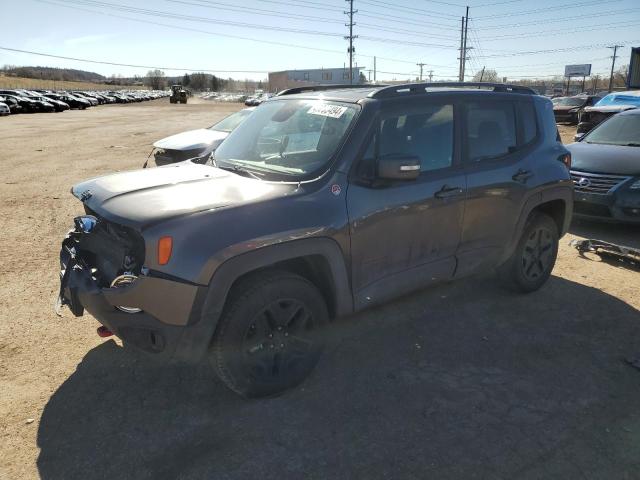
[522, 175]
[447, 192]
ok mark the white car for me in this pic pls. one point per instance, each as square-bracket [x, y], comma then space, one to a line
[4, 109]
[197, 144]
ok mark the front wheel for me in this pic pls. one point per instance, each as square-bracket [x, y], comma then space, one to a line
[269, 337]
[531, 263]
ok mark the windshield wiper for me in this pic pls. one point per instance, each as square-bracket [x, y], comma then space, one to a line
[239, 170]
[632, 144]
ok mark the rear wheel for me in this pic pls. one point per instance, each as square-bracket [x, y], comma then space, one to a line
[269, 336]
[531, 263]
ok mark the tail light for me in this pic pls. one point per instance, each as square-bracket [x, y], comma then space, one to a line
[566, 159]
[165, 244]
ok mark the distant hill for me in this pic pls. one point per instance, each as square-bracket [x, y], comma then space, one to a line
[50, 73]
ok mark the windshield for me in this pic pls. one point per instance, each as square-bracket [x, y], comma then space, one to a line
[288, 137]
[619, 99]
[618, 130]
[230, 123]
[571, 101]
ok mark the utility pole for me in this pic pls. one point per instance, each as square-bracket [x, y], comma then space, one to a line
[613, 64]
[374, 70]
[464, 48]
[482, 74]
[461, 50]
[350, 38]
[430, 76]
[420, 65]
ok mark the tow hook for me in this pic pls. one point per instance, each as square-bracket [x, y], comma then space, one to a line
[104, 331]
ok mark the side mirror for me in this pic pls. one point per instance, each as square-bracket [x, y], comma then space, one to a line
[398, 167]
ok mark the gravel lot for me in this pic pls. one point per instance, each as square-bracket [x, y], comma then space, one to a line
[460, 381]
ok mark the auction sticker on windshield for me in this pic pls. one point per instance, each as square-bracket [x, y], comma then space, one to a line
[326, 110]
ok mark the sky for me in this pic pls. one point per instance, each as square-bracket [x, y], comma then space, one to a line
[247, 39]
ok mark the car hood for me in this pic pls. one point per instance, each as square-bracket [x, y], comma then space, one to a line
[610, 108]
[141, 198]
[192, 140]
[612, 159]
[564, 108]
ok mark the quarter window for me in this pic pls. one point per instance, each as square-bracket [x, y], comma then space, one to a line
[528, 119]
[427, 134]
[491, 130]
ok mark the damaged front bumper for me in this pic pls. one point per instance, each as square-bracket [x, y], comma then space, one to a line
[161, 315]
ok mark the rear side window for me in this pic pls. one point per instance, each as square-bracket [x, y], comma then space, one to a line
[427, 134]
[491, 130]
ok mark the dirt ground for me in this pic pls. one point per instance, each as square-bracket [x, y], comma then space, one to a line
[460, 381]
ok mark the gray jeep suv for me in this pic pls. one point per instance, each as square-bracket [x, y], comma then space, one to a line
[322, 203]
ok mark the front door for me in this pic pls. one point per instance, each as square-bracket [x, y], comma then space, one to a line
[404, 234]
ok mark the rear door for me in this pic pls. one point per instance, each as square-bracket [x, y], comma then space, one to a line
[404, 234]
[500, 136]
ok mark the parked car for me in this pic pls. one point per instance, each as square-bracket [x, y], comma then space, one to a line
[605, 108]
[12, 103]
[606, 170]
[27, 105]
[71, 100]
[92, 100]
[257, 99]
[58, 105]
[197, 143]
[4, 108]
[567, 109]
[321, 203]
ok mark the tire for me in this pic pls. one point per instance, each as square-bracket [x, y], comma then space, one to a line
[268, 338]
[530, 265]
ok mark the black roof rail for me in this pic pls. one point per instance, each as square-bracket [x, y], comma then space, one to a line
[319, 88]
[418, 88]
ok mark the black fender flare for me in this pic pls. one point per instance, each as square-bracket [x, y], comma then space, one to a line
[560, 192]
[210, 300]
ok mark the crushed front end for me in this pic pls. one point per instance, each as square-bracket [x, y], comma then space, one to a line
[102, 271]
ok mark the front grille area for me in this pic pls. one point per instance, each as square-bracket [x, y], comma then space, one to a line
[585, 182]
[591, 209]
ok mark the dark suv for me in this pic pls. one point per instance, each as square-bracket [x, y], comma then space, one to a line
[322, 203]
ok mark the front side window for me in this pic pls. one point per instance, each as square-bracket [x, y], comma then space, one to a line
[491, 130]
[427, 134]
[287, 137]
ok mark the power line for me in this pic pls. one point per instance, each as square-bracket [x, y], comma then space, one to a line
[553, 50]
[561, 32]
[413, 10]
[556, 20]
[102, 62]
[253, 11]
[238, 37]
[191, 18]
[546, 10]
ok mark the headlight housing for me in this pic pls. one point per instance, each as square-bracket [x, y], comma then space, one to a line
[574, 110]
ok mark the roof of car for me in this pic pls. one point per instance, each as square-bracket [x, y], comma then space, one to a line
[631, 93]
[355, 93]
